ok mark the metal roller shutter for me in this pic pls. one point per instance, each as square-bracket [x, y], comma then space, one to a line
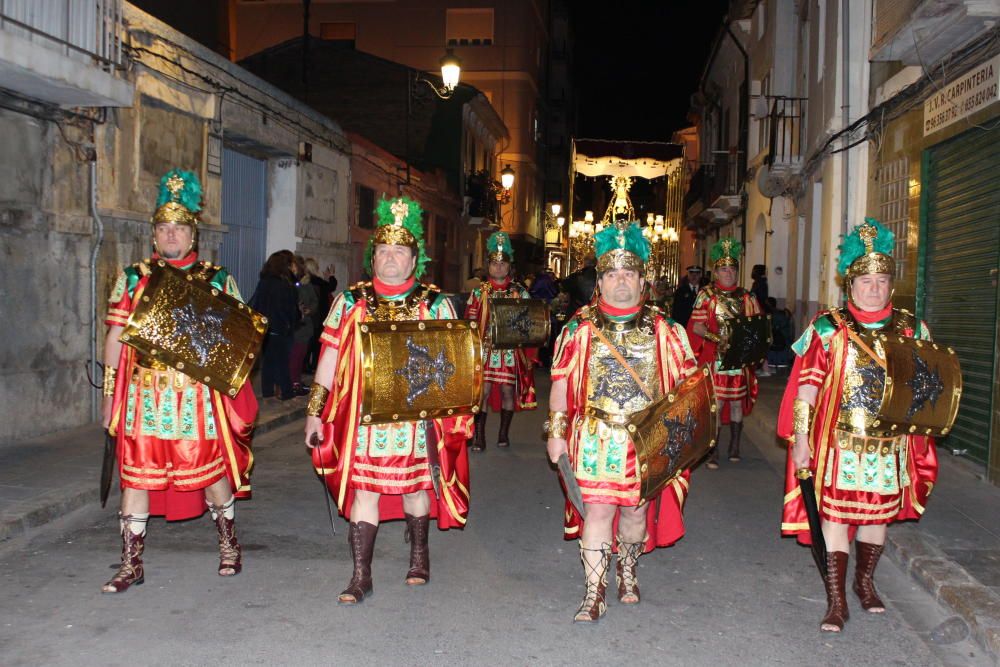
[244, 213]
[962, 246]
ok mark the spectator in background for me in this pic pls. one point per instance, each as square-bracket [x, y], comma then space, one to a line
[580, 285]
[308, 305]
[276, 299]
[759, 289]
[325, 294]
[783, 333]
[758, 286]
[544, 287]
[684, 295]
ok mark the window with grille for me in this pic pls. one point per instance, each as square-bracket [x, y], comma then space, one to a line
[894, 205]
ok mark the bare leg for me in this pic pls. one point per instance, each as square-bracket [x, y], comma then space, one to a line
[631, 543]
[595, 552]
[365, 507]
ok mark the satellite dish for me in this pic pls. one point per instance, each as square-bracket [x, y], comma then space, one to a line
[769, 184]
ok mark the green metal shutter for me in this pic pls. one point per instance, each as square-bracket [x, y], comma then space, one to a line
[961, 236]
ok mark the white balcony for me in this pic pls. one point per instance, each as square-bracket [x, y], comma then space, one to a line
[922, 32]
[64, 52]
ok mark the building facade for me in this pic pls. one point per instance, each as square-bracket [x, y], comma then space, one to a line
[86, 150]
[505, 51]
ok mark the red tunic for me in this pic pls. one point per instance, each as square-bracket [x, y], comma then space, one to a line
[845, 492]
[175, 435]
[389, 460]
[712, 306]
[503, 367]
[674, 362]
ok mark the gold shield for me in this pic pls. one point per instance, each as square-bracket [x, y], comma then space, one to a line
[420, 370]
[675, 432]
[188, 324]
[749, 340]
[923, 386]
[518, 323]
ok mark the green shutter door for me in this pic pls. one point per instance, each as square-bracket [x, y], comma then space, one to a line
[961, 236]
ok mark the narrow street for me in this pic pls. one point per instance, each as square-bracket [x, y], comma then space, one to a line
[502, 592]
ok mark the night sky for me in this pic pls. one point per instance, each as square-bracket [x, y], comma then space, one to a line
[638, 62]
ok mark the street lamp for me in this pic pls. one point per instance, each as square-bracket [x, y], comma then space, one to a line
[451, 70]
[507, 178]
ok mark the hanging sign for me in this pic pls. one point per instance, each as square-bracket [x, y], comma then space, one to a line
[963, 96]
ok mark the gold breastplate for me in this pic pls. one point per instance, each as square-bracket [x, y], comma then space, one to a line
[392, 310]
[727, 306]
[610, 387]
[864, 378]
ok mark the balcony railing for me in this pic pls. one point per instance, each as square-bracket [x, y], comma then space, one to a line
[717, 185]
[480, 190]
[786, 124]
[87, 30]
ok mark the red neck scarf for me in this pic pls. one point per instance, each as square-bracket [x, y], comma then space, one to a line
[500, 285]
[392, 290]
[865, 317]
[725, 289]
[608, 309]
[182, 263]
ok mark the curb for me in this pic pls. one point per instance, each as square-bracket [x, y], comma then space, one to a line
[64, 499]
[950, 584]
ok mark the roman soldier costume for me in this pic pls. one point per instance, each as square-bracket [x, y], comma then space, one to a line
[390, 459]
[510, 367]
[865, 472]
[175, 435]
[714, 308]
[615, 362]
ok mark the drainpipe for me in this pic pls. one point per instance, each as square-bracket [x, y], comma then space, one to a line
[741, 160]
[98, 240]
[845, 109]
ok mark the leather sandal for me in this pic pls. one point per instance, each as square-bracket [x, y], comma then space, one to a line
[594, 603]
[864, 572]
[420, 557]
[130, 572]
[361, 538]
[625, 570]
[836, 597]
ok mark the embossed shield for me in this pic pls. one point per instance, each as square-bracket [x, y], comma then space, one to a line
[518, 323]
[675, 432]
[420, 370]
[923, 386]
[749, 341]
[193, 327]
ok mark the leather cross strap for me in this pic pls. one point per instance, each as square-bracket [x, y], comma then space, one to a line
[625, 364]
[857, 339]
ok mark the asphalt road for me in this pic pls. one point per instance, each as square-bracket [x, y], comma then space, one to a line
[502, 592]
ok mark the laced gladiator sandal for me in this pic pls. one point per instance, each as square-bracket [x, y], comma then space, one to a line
[503, 439]
[735, 431]
[594, 604]
[713, 456]
[864, 583]
[625, 569]
[361, 538]
[479, 436]
[420, 557]
[130, 572]
[230, 552]
[836, 597]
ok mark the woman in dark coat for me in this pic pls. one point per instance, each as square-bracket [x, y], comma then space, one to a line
[277, 299]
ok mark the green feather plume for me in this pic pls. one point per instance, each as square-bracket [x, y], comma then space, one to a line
[189, 195]
[630, 238]
[412, 224]
[854, 246]
[719, 251]
[495, 241]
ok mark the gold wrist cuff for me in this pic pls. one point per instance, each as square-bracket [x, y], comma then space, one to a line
[317, 400]
[714, 337]
[801, 417]
[108, 387]
[556, 425]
